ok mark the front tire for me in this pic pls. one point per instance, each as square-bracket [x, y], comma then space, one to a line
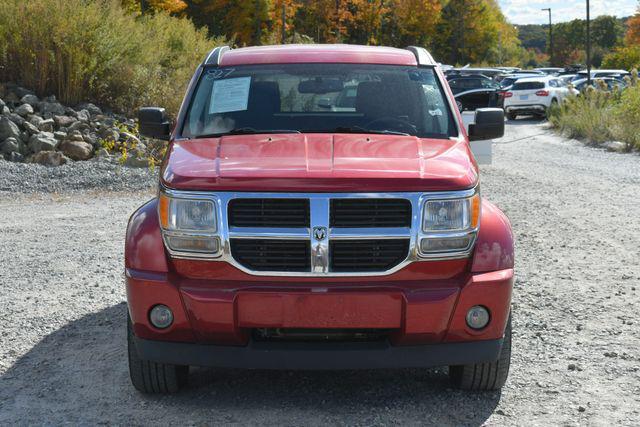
[151, 377]
[484, 376]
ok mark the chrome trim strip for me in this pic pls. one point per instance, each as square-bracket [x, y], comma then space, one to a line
[319, 210]
[370, 233]
[269, 233]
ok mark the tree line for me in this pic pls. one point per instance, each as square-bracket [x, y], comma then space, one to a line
[456, 31]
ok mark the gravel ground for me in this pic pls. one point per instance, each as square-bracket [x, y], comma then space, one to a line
[576, 214]
[103, 174]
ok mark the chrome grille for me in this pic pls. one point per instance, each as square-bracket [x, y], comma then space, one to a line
[283, 249]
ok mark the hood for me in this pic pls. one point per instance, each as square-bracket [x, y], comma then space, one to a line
[319, 163]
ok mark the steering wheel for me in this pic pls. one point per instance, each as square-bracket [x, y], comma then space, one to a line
[405, 125]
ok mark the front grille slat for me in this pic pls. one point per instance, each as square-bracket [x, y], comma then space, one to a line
[365, 212]
[367, 255]
[268, 212]
[272, 254]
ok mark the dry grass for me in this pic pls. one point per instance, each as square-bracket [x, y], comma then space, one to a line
[92, 50]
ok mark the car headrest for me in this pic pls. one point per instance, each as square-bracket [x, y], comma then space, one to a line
[264, 97]
[388, 99]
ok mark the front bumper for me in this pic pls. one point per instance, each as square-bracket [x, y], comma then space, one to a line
[329, 356]
[226, 312]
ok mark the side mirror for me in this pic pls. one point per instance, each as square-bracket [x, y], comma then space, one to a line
[153, 123]
[488, 124]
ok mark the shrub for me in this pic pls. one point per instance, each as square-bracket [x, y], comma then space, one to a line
[598, 115]
[586, 116]
[93, 50]
[627, 116]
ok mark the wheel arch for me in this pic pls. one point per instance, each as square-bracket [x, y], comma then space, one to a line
[144, 248]
[495, 244]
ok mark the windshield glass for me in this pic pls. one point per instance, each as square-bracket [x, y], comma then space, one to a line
[327, 98]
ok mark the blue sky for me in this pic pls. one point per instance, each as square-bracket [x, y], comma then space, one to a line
[528, 11]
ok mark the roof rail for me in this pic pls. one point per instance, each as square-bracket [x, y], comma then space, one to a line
[422, 55]
[215, 56]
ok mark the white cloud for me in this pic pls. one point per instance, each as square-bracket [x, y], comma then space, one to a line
[528, 11]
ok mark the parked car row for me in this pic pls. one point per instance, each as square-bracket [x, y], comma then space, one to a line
[524, 92]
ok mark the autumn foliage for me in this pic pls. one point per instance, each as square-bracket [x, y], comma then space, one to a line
[457, 31]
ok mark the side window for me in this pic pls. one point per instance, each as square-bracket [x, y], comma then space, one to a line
[553, 83]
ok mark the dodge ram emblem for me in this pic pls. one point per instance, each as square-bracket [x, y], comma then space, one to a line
[319, 233]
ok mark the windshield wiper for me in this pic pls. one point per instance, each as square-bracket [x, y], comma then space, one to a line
[247, 131]
[359, 129]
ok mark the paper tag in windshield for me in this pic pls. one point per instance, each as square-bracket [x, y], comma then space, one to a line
[435, 112]
[230, 95]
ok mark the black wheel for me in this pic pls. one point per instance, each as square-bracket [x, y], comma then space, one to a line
[512, 116]
[485, 376]
[152, 377]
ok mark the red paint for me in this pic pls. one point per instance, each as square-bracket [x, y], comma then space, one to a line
[319, 308]
[144, 248]
[424, 302]
[222, 311]
[314, 53]
[494, 246]
[320, 162]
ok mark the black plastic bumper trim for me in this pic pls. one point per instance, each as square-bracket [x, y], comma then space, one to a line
[313, 356]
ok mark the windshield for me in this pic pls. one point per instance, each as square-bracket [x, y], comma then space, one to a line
[327, 98]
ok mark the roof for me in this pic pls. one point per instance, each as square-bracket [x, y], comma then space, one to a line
[315, 53]
[537, 79]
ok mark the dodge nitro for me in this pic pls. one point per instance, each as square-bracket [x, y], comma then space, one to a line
[319, 207]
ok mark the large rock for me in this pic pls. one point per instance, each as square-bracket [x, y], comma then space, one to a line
[15, 157]
[46, 125]
[43, 141]
[35, 120]
[16, 118]
[91, 108]
[9, 145]
[24, 110]
[30, 127]
[76, 150]
[83, 115]
[30, 99]
[51, 108]
[8, 129]
[49, 158]
[110, 134]
[64, 121]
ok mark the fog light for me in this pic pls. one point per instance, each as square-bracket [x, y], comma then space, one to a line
[161, 316]
[477, 317]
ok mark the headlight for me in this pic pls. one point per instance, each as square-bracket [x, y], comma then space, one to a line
[449, 225]
[189, 225]
[187, 214]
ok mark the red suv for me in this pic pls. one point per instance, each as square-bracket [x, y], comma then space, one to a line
[319, 208]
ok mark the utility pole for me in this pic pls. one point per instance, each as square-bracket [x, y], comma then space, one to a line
[548, 9]
[284, 23]
[588, 44]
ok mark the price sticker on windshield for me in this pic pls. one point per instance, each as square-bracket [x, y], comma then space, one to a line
[230, 95]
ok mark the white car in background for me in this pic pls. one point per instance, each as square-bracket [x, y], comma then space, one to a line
[534, 96]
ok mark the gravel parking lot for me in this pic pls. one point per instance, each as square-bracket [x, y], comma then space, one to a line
[575, 211]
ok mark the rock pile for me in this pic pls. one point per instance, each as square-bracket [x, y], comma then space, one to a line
[44, 131]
